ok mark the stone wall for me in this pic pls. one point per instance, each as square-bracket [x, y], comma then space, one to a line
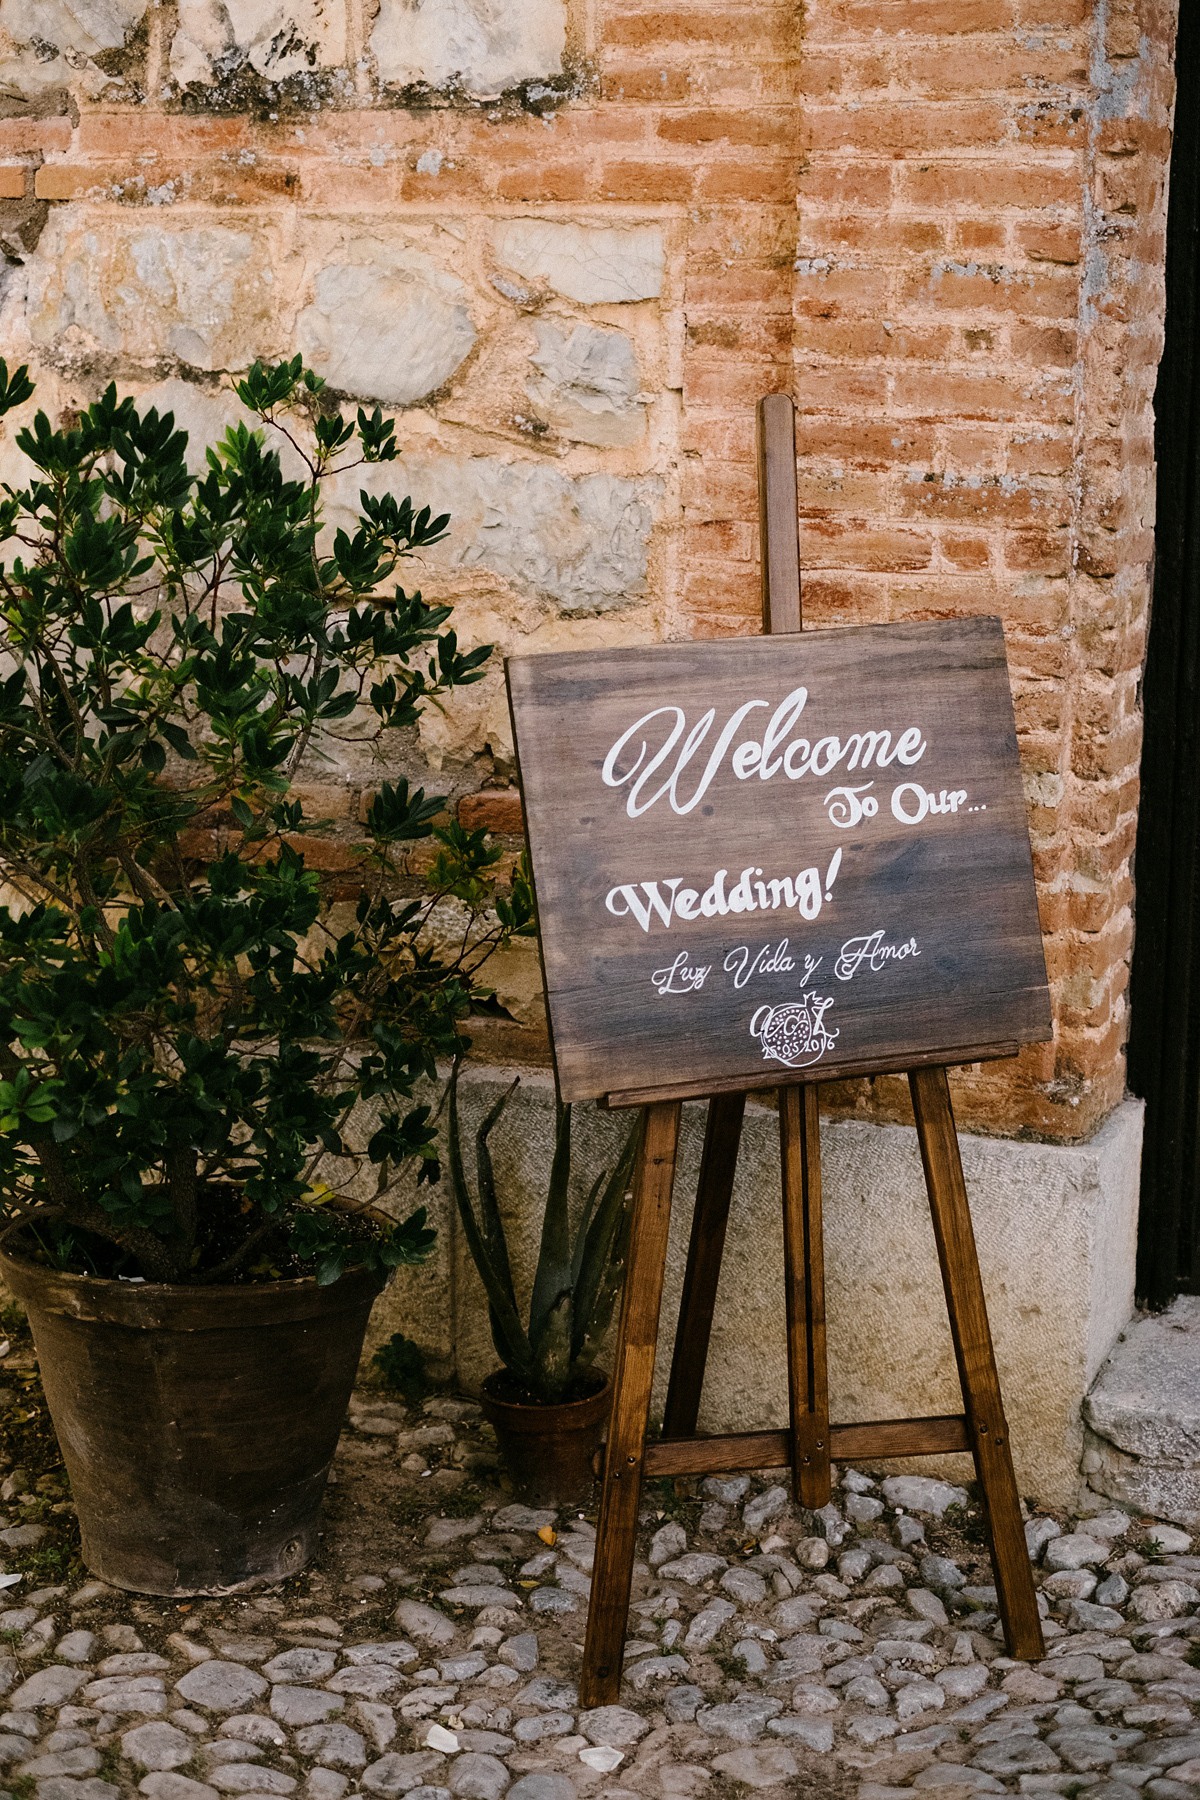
[572, 242]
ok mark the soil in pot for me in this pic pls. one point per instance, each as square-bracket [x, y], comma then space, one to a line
[548, 1450]
[197, 1424]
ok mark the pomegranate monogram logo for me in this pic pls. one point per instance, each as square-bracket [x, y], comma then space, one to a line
[794, 1033]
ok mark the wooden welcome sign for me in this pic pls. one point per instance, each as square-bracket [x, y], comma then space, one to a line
[778, 859]
[771, 862]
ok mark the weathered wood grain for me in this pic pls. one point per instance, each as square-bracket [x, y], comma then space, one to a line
[778, 511]
[952, 1055]
[804, 1292]
[957, 886]
[633, 1377]
[773, 1449]
[972, 1336]
[706, 1245]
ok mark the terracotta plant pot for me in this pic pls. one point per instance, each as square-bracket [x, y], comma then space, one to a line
[197, 1424]
[547, 1450]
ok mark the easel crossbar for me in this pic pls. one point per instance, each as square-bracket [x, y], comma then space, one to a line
[772, 1449]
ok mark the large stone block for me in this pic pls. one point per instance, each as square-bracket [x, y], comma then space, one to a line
[277, 38]
[46, 43]
[391, 330]
[484, 46]
[204, 415]
[1054, 1223]
[1143, 1447]
[580, 542]
[587, 384]
[203, 294]
[563, 549]
[590, 263]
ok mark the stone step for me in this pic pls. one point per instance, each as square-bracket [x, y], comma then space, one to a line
[1142, 1417]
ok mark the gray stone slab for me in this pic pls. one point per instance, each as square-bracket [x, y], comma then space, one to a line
[399, 1774]
[166, 1785]
[613, 1725]
[48, 1687]
[541, 1785]
[1146, 1399]
[300, 1665]
[250, 1778]
[423, 1623]
[771, 1766]
[303, 1706]
[334, 1744]
[476, 1777]
[157, 1746]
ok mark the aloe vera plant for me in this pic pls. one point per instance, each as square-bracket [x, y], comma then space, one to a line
[576, 1283]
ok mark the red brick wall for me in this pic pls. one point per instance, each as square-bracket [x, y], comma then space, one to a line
[978, 323]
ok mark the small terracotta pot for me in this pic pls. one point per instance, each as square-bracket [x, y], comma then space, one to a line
[548, 1450]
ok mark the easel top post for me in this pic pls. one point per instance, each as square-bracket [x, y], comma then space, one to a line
[778, 514]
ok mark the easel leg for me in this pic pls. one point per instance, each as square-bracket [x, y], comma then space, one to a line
[976, 1360]
[604, 1646]
[722, 1136]
[804, 1283]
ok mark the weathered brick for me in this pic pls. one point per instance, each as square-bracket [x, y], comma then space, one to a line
[853, 186]
[1010, 184]
[1049, 243]
[1038, 552]
[774, 128]
[862, 338]
[497, 810]
[984, 396]
[765, 336]
[535, 180]
[999, 290]
[974, 239]
[769, 181]
[653, 181]
[824, 544]
[823, 232]
[634, 82]
[965, 552]
[839, 385]
[991, 66]
[923, 17]
[886, 126]
[873, 442]
[32, 136]
[691, 29]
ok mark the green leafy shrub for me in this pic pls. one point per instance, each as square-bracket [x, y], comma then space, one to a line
[190, 1014]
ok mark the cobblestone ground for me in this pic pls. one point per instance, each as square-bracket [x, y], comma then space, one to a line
[433, 1649]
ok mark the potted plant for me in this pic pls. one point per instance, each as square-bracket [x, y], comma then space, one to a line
[549, 1403]
[209, 1049]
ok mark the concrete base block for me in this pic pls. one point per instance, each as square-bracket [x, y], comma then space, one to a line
[1056, 1230]
[1143, 1414]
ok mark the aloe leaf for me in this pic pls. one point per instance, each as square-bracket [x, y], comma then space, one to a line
[552, 1352]
[585, 1221]
[602, 1263]
[493, 1224]
[553, 1275]
[506, 1324]
[514, 1355]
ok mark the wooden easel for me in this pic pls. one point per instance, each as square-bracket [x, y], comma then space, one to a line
[807, 1446]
